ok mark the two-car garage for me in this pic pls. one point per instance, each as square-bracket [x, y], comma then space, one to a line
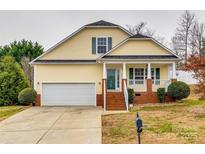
[68, 94]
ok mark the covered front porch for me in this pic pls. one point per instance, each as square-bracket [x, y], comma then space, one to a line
[144, 77]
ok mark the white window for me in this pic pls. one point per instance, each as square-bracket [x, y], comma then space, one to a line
[102, 45]
[138, 75]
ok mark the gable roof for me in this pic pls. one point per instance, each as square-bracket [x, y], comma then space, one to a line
[100, 23]
[140, 37]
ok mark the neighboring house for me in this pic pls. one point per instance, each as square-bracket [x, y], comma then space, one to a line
[96, 64]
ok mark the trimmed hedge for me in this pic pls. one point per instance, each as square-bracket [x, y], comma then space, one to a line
[27, 96]
[131, 95]
[161, 94]
[178, 90]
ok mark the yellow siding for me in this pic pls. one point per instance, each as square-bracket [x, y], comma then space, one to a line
[80, 45]
[140, 47]
[88, 73]
[69, 73]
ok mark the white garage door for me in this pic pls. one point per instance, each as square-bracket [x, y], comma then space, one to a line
[60, 94]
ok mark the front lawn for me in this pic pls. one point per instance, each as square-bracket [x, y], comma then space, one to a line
[7, 111]
[182, 122]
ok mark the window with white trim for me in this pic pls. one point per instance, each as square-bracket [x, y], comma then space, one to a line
[138, 75]
[102, 45]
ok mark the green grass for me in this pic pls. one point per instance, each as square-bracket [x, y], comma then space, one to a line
[187, 133]
[7, 111]
[117, 131]
[200, 116]
[180, 122]
[177, 105]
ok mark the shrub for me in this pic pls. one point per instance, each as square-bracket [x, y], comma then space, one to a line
[161, 94]
[131, 95]
[178, 90]
[12, 81]
[27, 96]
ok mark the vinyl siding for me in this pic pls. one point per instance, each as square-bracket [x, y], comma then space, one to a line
[80, 45]
[140, 47]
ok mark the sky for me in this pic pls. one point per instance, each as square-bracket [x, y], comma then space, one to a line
[49, 27]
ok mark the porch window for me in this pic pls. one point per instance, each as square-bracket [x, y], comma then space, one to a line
[138, 75]
[102, 45]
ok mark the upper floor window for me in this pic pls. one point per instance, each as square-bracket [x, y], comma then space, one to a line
[102, 45]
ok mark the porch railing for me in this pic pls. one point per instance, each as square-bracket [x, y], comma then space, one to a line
[125, 94]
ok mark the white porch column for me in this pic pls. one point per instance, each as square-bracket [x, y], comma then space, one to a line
[104, 71]
[124, 71]
[149, 71]
[174, 70]
[104, 86]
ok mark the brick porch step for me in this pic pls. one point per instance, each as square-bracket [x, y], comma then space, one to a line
[115, 101]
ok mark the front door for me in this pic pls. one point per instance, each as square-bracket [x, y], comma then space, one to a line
[111, 79]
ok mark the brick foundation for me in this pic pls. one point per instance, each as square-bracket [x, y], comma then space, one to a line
[99, 100]
[149, 85]
[38, 100]
[151, 97]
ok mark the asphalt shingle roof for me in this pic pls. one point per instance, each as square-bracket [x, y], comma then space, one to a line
[101, 23]
[139, 36]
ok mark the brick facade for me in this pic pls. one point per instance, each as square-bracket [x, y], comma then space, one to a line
[99, 100]
[38, 100]
[103, 81]
[149, 85]
[151, 97]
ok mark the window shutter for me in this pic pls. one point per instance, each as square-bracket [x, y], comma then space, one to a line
[93, 45]
[131, 73]
[158, 73]
[109, 43]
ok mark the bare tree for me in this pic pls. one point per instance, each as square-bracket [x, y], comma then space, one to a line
[197, 38]
[138, 29]
[180, 41]
[142, 28]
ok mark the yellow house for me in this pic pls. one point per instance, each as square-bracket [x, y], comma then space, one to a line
[96, 64]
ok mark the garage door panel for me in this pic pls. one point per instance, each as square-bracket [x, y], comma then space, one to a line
[56, 94]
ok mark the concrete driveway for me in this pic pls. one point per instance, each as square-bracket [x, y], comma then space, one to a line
[53, 125]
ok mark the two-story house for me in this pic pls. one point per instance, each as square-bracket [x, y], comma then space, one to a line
[97, 63]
